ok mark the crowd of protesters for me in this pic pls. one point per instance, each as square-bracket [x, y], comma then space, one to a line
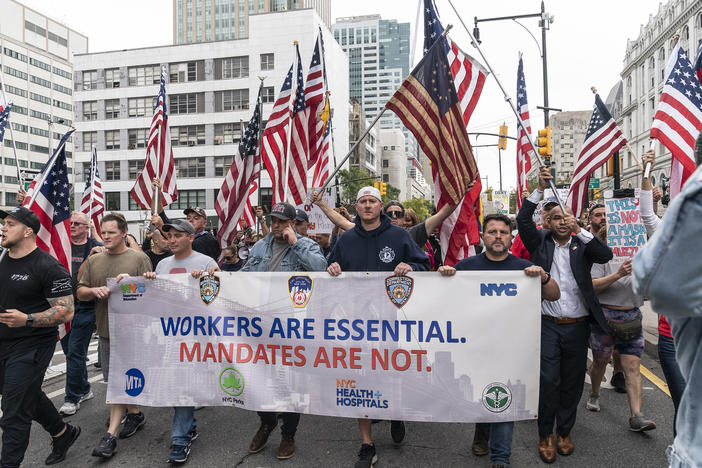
[588, 301]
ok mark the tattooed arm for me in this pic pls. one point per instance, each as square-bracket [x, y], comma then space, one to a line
[61, 311]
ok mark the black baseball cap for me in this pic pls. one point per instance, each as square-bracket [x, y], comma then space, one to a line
[301, 215]
[24, 216]
[179, 225]
[283, 211]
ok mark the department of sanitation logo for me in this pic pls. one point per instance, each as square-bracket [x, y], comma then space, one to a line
[209, 288]
[497, 397]
[399, 289]
[231, 381]
[300, 290]
[386, 255]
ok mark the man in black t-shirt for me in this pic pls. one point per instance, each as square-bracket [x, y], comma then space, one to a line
[36, 295]
[497, 237]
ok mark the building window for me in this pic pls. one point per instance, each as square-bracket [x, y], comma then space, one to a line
[188, 198]
[112, 139]
[112, 109]
[268, 94]
[228, 133]
[111, 170]
[187, 71]
[137, 138]
[135, 166]
[267, 62]
[112, 78]
[190, 167]
[222, 165]
[90, 79]
[386, 178]
[190, 103]
[139, 107]
[142, 76]
[112, 202]
[386, 163]
[232, 67]
[89, 140]
[230, 100]
[190, 135]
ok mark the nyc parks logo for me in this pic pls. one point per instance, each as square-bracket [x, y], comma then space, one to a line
[498, 289]
[231, 381]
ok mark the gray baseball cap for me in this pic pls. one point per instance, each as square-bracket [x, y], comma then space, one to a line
[179, 225]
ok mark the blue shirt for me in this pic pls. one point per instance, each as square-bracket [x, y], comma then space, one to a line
[481, 262]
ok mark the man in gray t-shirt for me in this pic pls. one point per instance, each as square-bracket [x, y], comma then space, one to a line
[180, 234]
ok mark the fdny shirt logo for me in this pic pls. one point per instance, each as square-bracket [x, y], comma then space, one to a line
[399, 289]
[209, 288]
[386, 255]
[300, 289]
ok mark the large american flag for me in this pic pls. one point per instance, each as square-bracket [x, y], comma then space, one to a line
[233, 198]
[159, 157]
[603, 138]
[322, 167]
[93, 202]
[315, 99]
[274, 141]
[299, 140]
[461, 228]
[678, 118]
[523, 145]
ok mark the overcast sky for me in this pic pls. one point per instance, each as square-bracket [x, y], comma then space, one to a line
[585, 46]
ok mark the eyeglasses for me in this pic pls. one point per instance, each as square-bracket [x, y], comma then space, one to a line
[76, 223]
[395, 213]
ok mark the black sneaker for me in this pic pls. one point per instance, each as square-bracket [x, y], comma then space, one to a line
[193, 435]
[619, 382]
[397, 431]
[107, 446]
[366, 457]
[61, 444]
[132, 424]
[179, 453]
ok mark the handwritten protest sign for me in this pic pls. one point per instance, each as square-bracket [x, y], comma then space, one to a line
[626, 233]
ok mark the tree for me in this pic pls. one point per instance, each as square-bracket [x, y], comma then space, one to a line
[351, 180]
[513, 201]
[393, 193]
[423, 207]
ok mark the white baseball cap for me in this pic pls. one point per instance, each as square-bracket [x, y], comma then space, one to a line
[369, 191]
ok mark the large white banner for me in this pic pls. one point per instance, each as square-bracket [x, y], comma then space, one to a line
[415, 348]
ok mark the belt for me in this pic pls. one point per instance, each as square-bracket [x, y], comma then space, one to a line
[563, 321]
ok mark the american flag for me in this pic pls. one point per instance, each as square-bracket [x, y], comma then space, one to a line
[299, 140]
[93, 202]
[315, 100]
[233, 198]
[4, 118]
[523, 145]
[274, 141]
[159, 157]
[249, 216]
[321, 169]
[603, 138]
[698, 62]
[678, 118]
[461, 228]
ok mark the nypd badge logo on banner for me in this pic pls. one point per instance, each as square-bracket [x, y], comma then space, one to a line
[399, 289]
[300, 289]
[209, 288]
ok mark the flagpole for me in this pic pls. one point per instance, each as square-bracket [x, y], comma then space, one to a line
[20, 179]
[511, 103]
[291, 104]
[258, 149]
[93, 170]
[331, 113]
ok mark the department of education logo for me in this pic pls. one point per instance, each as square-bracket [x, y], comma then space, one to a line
[386, 254]
[497, 397]
[399, 289]
[231, 381]
[135, 382]
[209, 288]
[300, 290]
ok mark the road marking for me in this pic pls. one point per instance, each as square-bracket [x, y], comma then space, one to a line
[655, 380]
[63, 390]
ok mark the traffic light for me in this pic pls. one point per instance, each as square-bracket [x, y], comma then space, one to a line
[376, 184]
[544, 142]
[596, 193]
[502, 141]
[383, 188]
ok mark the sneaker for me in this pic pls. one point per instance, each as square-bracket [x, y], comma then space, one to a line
[287, 448]
[132, 423]
[88, 396]
[638, 423]
[480, 446]
[61, 444]
[619, 382]
[593, 402]
[366, 457]
[179, 453]
[107, 446]
[261, 438]
[397, 431]
[68, 408]
[97, 365]
[124, 418]
[193, 435]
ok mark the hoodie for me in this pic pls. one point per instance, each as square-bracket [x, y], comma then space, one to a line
[381, 249]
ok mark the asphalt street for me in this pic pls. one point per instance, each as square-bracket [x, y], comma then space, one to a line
[601, 439]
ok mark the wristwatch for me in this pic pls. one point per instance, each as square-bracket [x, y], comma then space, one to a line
[548, 278]
[30, 321]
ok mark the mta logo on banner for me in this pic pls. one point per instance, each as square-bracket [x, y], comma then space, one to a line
[498, 289]
[135, 382]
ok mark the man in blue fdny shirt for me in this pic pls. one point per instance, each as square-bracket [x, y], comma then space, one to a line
[497, 237]
[375, 244]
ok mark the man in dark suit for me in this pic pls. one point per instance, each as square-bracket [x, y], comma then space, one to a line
[567, 252]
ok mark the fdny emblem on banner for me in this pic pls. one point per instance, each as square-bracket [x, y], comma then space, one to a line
[209, 288]
[399, 289]
[300, 289]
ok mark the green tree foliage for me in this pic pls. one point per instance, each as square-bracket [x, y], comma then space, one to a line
[423, 207]
[392, 194]
[351, 180]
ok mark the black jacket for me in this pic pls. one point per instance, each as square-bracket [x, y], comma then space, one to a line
[540, 244]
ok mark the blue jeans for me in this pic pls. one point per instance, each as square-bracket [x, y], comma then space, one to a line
[82, 327]
[671, 371]
[183, 422]
[501, 442]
